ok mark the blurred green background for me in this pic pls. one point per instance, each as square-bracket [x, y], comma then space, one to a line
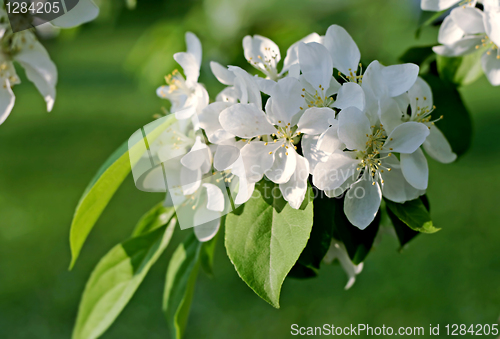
[108, 73]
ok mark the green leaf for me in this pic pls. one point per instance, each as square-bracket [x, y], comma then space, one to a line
[403, 232]
[414, 214]
[357, 242]
[115, 280]
[426, 19]
[460, 71]
[103, 186]
[264, 239]
[456, 124]
[155, 218]
[180, 283]
[321, 234]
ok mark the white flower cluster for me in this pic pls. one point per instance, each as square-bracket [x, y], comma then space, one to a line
[361, 133]
[24, 48]
[355, 133]
[467, 29]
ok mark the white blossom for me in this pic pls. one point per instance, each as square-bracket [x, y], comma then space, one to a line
[24, 48]
[317, 75]
[418, 102]
[468, 29]
[183, 164]
[263, 54]
[368, 165]
[187, 96]
[361, 137]
[271, 136]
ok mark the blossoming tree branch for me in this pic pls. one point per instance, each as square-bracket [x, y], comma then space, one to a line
[296, 164]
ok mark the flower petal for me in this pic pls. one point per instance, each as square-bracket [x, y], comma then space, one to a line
[292, 54]
[190, 180]
[200, 98]
[461, 47]
[209, 121]
[245, 191]
[206, 231]
[215, 198]
[228, 94]
[491, 67]
[257, 159]
[399, 78]
[310, 151]
[469, 19]
[338, 251]
[449, 32]
[344, 187]
[261, 52]
[350, 95]
[335, 171]
[154, 180]
[197, 156]
[420, 96]
[222, 74]
[390, 115]
[190, 66]
[40, 70]
[285, 101]
[185, 113]
[316, 65]
[294, 190]
[225, 156]
[438, 147]
[437, 5]
[491, 5]
[246, 87]
[284, 165]
[194, 47]
[334, 87]
[245, 121]
[395, 186]
[354, 127]
[265, 85]
[415, 169]
[316, 120]
[329, 141]
[407, 137]
[492, 25]
[343, 50]
[362, 202]
[7, 100]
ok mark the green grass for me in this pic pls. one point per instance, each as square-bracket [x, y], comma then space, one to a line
[46, 160]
